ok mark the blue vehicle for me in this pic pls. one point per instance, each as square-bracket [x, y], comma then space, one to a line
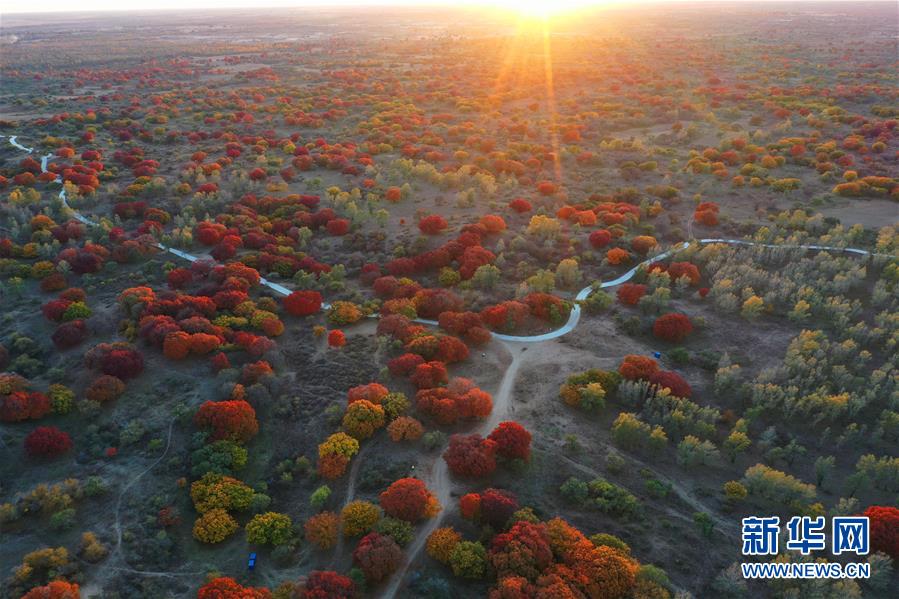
[251, 563]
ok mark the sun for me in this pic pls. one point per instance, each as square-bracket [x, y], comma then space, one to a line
[542, 8]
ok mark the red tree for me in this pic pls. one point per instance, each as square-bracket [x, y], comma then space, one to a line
[378, 556]
[470, 456]
[407, 499]
[635, 367]
[673, 327]
[884, 522]
[122, 363]
[228, 588]
[303, 303]
[672, 381]
[47, 442]
[234, 420]
[432, 225]
[69, 334]
[336, 338]
[512, 440]
[522, 551]
[429, 374]
[23, 405]
[630, 293]
[404, 364]
[326, 585]
[520, 205]
[684, 269]
[56, 589]
[338, 226]
[497, 506]
[600, 238]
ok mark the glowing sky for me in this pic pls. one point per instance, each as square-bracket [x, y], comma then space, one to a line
[18, 6]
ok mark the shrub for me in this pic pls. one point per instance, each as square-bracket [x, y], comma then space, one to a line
[69, 334]
[233, 420]
[884, 527]
[441, 543]
[322, 529]
[470, 456]
[405, 428]
[216, 491]
[105, 388]
[270, 528]
[228, 588]
[400, 531]
[359, 517]
[378, 556]
[214, 526]
[522, 551]
[23, 405]
[432, 225]
[326, 585]
[512, 440]
[672, 327]
[600, 238]
[469, 560]
[47, 442]
[303, 303]
[363, 418]
[336, 338]
[635, 367]
[496, 506]
[630, 293]
[665, 379]
[56, 589]
[409, 499]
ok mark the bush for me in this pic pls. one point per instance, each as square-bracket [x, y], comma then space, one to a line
[672, 327]
[441, 543]
[47, 442]
[214, 526]
[359, 517]
[409, 499]
[470, 456]
[105, 388]
[270, 528]
[469, 560]
[512, 440]
[321, 530]
[378, 556]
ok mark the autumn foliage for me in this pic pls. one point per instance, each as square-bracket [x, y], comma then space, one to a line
[326, 585]
[470, 456]
[409, 499]
[884, 523]
[228, 588]
[232, 420]
[673, 327]
[512, 440]
[56, 589]
[47, 442]
[303, 303]
[378, 556]
[635, 367]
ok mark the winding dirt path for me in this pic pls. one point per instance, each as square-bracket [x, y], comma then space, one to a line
[438, 478]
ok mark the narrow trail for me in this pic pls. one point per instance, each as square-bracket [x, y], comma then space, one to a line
[438, 478]
[118, 506]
